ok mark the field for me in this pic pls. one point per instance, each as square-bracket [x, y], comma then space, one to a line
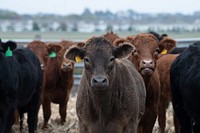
[78, 36]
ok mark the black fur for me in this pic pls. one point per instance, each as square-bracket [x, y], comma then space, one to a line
[185, 85]
[20, 86]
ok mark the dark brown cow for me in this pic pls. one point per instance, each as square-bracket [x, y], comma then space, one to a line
[111, 95]
[59, 82]
[163, 66]
[147, 48]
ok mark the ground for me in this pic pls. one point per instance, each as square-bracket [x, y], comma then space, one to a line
[71, 126]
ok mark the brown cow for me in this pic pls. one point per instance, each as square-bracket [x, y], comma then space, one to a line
[59, 82]
[147, 48]
[111, 36]
[163, 67]
[40, 49]
[111, 95]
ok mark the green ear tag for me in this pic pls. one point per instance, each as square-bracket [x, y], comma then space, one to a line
[8, 52]
[52, 55]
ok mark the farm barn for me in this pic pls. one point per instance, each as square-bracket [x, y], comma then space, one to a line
[71, 125]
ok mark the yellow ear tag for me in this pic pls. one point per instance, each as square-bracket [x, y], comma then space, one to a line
[164, 51]
[78, 59]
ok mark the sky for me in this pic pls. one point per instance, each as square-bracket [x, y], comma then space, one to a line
[65, 7]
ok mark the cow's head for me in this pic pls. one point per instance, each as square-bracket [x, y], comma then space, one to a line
[56, 54]
[147, 48]
[41, 51]
[99, 57]
[111, 36]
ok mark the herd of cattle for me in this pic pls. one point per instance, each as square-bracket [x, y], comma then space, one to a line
[126, 83]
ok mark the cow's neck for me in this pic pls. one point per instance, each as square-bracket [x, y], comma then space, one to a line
[102, 103]
[146, 80]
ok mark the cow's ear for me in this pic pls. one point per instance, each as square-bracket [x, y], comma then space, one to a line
[53, 49]
[120, 41]
[123, 50]
[80, 44]
[75, 54]
[8, 47]
[167, 44]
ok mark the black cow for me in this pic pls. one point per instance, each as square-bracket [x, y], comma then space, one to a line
[111, 96]
[20, 85]
[185, 86]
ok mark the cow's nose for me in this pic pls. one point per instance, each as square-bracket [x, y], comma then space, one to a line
[147, 63]
[99, 81]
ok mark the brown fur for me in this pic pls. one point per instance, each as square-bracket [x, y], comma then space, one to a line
[163, 66]
[59, 82]
[111, 36]
[144, 57]
[115, 104]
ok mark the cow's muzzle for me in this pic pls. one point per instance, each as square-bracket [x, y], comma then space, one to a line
[99, 81]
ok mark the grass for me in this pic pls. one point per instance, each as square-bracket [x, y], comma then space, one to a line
[79, 36]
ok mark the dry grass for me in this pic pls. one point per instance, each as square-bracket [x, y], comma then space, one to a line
[71, 126]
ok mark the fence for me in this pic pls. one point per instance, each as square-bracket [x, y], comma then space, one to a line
[183, 42]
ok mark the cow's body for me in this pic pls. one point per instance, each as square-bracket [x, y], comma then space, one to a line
[111, 95]
[24, 86]
[163, 67]
[59, 82]
[148, 46]
[185, 84]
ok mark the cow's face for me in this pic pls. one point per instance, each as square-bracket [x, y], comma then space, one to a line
[147, 49]
[66, 64]
[56, 55]
[145, 54]
[99, 57]
[40, 49]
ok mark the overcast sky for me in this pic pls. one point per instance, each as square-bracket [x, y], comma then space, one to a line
[65, 7]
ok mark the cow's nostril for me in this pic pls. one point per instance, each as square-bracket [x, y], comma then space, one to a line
[99, 81]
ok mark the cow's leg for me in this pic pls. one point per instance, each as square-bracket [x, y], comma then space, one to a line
[82, 128]
[63, 111]
[196, 128]
[9, 120]
[33, 110]
[147, 122]
[46, 105]
[162, 114]
[182, 116]
[176, 124]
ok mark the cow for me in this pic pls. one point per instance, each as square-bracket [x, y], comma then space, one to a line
[40, 50]
[111, 94]
[148, 46]
[20, 85]
[163, 66]
[184, 78]
[111, 36]
[59, 82]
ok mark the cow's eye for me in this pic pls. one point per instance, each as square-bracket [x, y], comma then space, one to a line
[87, 63]
[86, 60]
[135, 53]
[111, 63]
[157, 51]
[112, 59]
